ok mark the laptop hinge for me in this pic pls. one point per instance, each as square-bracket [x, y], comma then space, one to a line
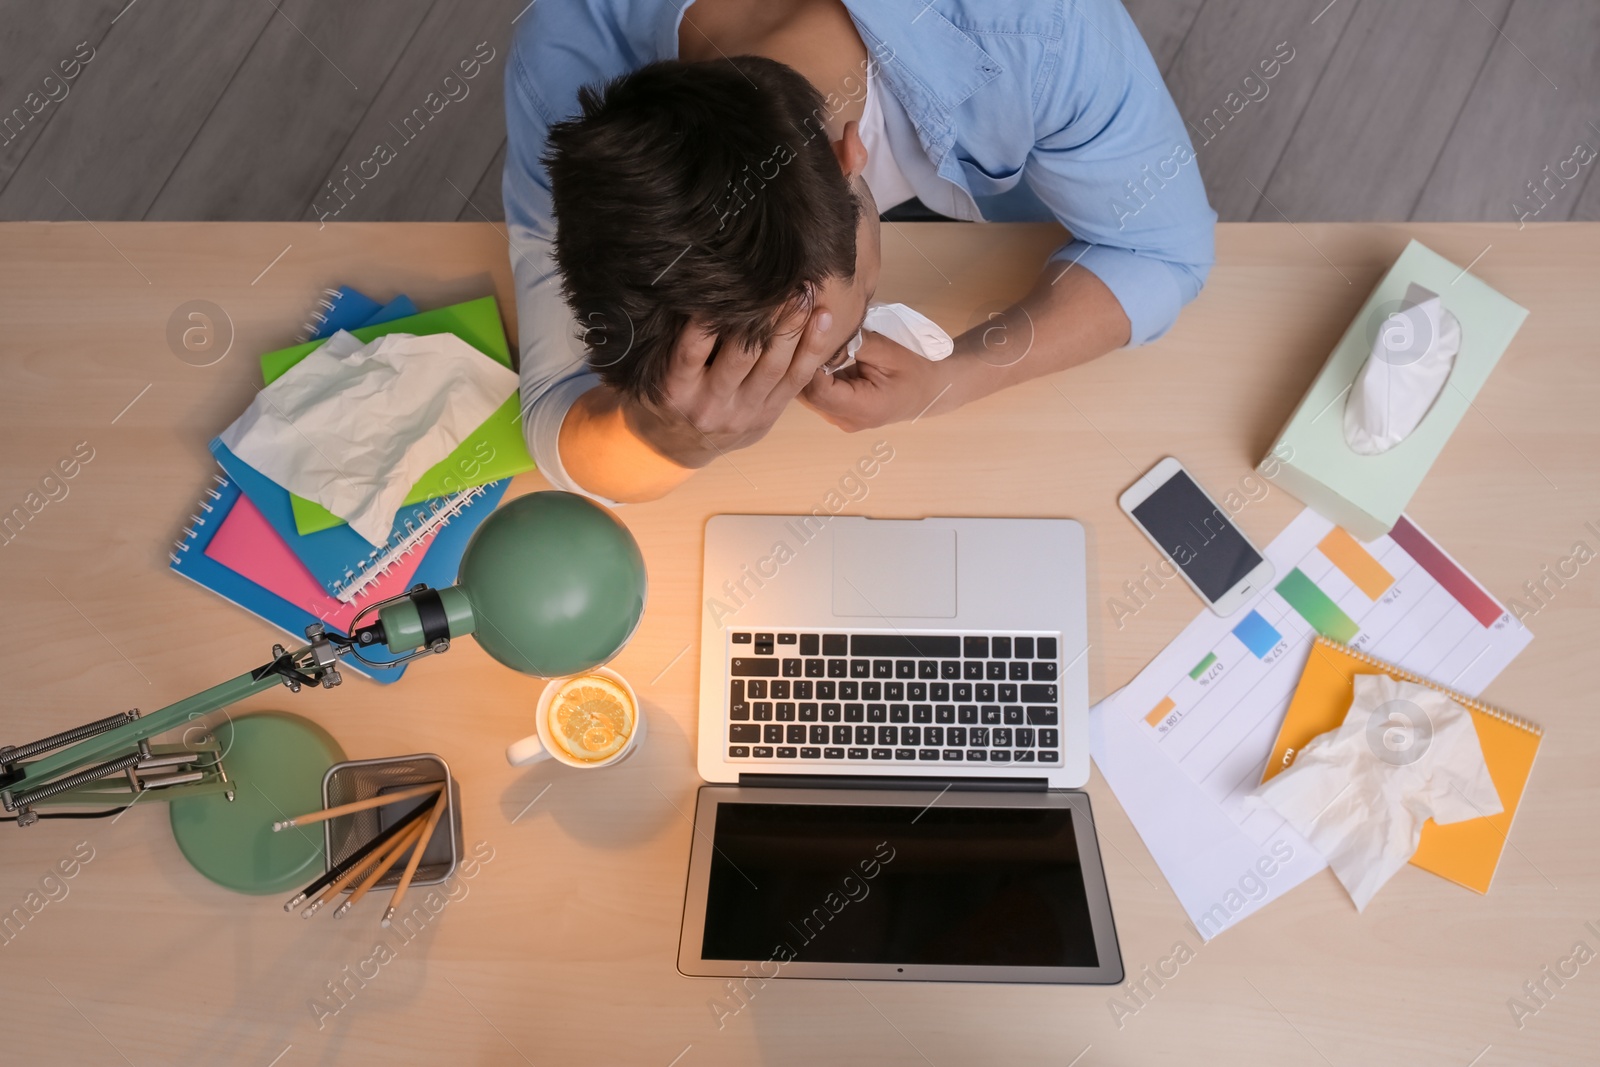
[869, 781]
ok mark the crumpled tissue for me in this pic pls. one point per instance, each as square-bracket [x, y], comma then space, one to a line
[354, 425]
[1361, 793]
[904, 326]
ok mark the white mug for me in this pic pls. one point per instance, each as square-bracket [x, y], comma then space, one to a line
[541, 746]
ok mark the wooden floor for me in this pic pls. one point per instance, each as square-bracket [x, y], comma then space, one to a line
[1376, 110]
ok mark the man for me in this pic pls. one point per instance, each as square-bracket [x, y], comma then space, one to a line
[717, 168]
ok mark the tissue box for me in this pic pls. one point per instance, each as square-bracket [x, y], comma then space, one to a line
[1366, 494]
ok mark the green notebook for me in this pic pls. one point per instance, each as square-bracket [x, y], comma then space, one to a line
[493, 451]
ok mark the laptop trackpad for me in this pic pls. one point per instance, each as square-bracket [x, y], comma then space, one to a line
[894, 568]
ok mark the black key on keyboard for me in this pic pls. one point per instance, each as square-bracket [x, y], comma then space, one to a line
[754, 667]
[877, 713]
[739, 711]
[785, 711]
[755, 689]
[1000, 648]
[827, 691]
[855, 713]
[772, 734]
[922, 713]
[978, 755]
[1018, 672]
[1049, 757]
[1001, 735]
[787, 753]
[763, 639]
[883, 668]
[833, 753]
[933, 735]
[808, 644]
[1045, 648]
[1022, 647]
[888, 735]
[856, 753]
[905, 668]
[761, 752]
[975, 648]
[944, 712]
[1008, 692]
[738, 752]
[916, 690]
[835, 645]
[894, 690]
[849, 690]
[899, 712]
[808, 713]
[1014, 715]
[817, 735]
[994, 670]
[740, 731]
[861, 668]
[1025, 737]
[802, 690]
[972, 669]
[838, 668]
[761, 711]
[985, 692]
[811, 753]
[736, 690]
[787, 639]
[991, 714]
[898, 645]
[978, 735]
[1025, 756]
[927, 668]
[794, 735]
[882, 753]
[911, 735]
[791, 668]
[1038, 694]
[830, 713]
[927, 753]
[961, 691]
[1049, 738]
[950, 668]
[968, 713]
[865, 735]
[905, 753]
[815, 668]
[741, 639]
[953, 755]
[1044, 671]
[1042, 717]
[999, 755]
[842, 735]
[956, 735]
[871, 690]
[778, 689]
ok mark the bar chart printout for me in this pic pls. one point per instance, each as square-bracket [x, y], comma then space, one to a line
[1213, 700]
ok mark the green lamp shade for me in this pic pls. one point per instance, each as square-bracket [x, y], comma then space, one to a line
[556, 584]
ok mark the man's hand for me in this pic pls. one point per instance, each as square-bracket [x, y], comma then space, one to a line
[887, 383]
[712, 406]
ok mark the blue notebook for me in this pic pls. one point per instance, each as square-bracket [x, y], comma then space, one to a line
[190, 560]
[346, 309]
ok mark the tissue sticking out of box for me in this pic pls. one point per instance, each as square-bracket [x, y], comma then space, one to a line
[1410, 363]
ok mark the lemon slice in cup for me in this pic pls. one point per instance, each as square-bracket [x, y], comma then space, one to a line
[591, 717]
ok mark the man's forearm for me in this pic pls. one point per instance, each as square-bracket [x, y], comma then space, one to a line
[1065, 320]
[604, 455]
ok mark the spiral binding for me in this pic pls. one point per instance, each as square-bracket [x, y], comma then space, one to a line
[196, 520]
[309, 328]
[1465, 701]
[382, 560]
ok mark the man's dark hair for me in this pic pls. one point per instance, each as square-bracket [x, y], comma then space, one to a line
[703, 191]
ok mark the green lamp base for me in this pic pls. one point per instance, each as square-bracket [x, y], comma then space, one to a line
[276, 762]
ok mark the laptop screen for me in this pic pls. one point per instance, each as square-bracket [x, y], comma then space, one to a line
[886, 884]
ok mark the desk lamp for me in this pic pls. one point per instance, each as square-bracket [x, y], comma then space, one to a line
[550, 584]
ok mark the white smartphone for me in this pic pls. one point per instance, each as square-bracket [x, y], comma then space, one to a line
[1209, 551]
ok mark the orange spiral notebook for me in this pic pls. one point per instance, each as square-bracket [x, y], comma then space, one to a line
[1466, 853]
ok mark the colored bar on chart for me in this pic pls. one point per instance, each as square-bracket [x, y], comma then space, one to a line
[1257, 634]
[1200, 668]
[1313, 605]
[1357, 563]
[1160, 711]
[1431, 558]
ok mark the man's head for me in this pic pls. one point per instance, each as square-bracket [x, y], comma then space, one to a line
[706, 193]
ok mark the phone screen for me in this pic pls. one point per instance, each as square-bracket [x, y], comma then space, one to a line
[1197, 535]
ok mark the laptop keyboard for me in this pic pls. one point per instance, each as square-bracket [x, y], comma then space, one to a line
[893, 698]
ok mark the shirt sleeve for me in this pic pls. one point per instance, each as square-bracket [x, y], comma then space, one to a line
[553, 372]
[1114, 163]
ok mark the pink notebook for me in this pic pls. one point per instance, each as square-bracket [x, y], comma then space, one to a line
[247, 544]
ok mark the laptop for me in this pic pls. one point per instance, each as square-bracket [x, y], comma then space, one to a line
[909, 698]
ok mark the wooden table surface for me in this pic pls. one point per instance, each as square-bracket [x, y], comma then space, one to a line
[560, 948]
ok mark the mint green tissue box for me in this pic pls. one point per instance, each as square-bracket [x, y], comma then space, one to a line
[1366, 494]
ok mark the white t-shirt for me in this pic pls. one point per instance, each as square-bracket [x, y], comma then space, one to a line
[898, 167]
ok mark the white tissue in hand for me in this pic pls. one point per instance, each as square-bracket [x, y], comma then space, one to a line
[1361, 793]
[904, 326]
[354, 425]
[1410, 362]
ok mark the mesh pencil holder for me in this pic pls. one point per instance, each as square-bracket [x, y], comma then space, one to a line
[362, 779]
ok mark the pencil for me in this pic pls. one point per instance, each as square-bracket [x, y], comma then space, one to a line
[389, 860]
[356, 857]
[359, 805]
[416, 856]
[409, 835]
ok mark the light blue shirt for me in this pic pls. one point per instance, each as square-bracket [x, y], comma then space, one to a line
[1029, 110]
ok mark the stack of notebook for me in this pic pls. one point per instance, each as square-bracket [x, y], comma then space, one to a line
[293, 563]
